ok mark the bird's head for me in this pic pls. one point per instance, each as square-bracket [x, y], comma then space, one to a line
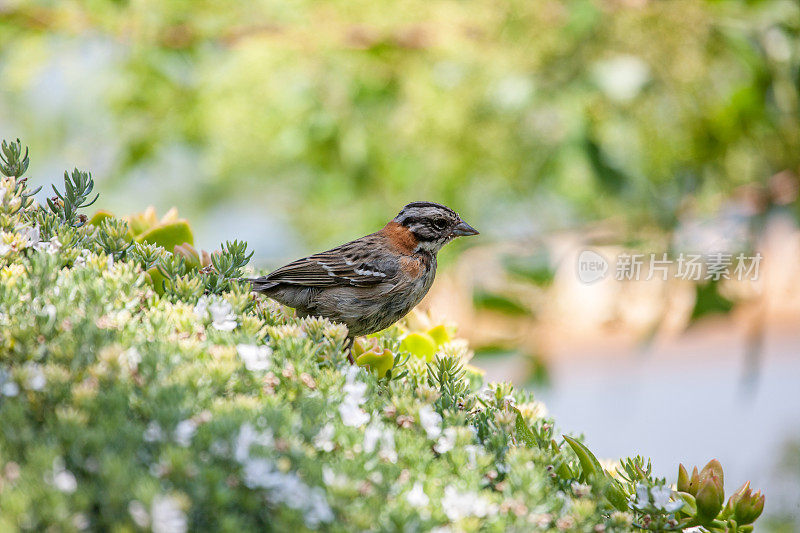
[432, 225]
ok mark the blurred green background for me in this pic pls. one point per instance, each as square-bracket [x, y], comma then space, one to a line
[299, 125]
[327, 117]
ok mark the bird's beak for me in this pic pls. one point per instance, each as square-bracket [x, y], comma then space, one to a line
[463, 229]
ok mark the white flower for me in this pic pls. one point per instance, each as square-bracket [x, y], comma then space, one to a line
[352, 415]
[221, 311]
[29, 235]
[332, 479]
[642, 496]
[289, 489]
[139, 514]
[81, 259]
[661, 499]
[317, 510]
[371, 436]
[259, 472]
[7, 387]
[168, 517]
[324, 439]
[247, 437]
[458, 505]
[49, 247]
[446, 441]
[388, 451]
[376, 433]
[255, 357]
[10, 389]
[222, 317]
[416, 496]
[355, 394]
[355, 391]
[452, 504]
[431, 421]
[472, 454]
[153, 432]
[201, 307]
[661, 496]
[65, 481]
[184, 432]
[50, 311]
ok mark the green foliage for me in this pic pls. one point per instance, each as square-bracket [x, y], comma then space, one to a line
[12, 161]
[77, 190]
[127, 410]
[145, 227]
[168, 235]
[369, 353]
[112, 237]
[568, 111]
[492, 301]
[535, 268]
[709, 301]
[446, 374]
[227, 265]
[147, 255]
[99, 217]
[148, 238]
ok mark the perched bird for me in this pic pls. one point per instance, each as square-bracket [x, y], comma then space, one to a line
[369, 283]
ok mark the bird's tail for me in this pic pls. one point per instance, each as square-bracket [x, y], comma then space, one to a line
[261, 284]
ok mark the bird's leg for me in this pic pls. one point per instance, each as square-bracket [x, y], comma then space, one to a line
[348, 347]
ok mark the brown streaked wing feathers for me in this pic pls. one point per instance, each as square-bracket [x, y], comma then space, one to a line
[333, 267]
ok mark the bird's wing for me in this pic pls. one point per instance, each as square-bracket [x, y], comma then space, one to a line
[359, 263]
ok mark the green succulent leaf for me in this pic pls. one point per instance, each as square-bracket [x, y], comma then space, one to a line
[420, 344]
[590, 466]
[168, 235]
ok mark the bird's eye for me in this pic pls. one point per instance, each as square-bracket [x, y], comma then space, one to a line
[439, 223]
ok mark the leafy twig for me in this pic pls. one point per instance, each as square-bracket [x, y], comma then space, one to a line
[77, 189]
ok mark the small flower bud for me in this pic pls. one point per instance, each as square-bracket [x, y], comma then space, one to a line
[684, 484]
[427, 394]
[713, 470]
[308, 381]
[709, 499]
[745, 505]
[621, 519]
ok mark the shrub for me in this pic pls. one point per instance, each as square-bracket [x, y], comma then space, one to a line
[206, 408]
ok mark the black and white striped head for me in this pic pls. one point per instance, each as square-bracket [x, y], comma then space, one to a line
[433, 225]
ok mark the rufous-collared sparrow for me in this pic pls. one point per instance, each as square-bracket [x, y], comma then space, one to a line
[369, 283]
